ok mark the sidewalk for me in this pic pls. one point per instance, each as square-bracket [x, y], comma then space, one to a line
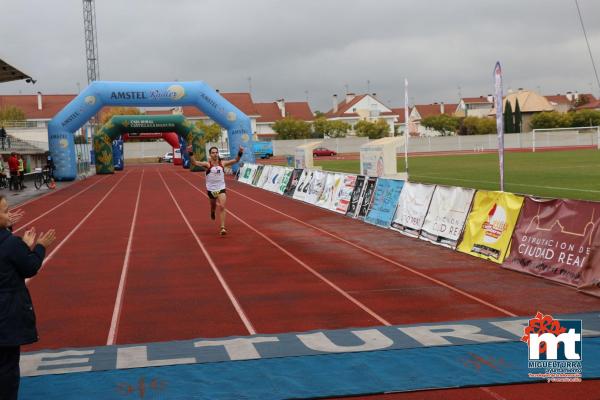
[30, 192]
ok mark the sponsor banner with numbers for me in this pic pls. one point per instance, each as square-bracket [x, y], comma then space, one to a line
[412, 208]
[556, 239]
[384, 204]
[490, 225]
[447, 214]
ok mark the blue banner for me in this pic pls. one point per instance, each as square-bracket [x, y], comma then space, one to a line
[384, 204]
[118, 158]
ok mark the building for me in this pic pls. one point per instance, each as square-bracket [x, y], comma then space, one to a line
[422, 111]
[475, 106]
[269, 113]
[567, 102]
[362, 107]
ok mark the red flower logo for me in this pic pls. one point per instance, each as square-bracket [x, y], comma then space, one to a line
[542, 324]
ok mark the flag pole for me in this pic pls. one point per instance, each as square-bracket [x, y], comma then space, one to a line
[406, 127]
[499, 120]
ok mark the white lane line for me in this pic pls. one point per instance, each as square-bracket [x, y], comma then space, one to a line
[509, 183]
[58, 205]
[49, 256]
[226, 287]
[381, 257]
[306, 266]
[116, 317]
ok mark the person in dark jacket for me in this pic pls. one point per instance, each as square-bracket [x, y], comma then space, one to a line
[20, 258]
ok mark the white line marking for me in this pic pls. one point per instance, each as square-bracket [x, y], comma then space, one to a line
[49, 256]
[59, 205]
[304, 265]
[229, 292]
[447, 286]
[116, 317]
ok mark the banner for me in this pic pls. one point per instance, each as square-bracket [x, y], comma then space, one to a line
[275, 177]
[555, 239]
[490, 225]
[331, 185]
[264, 177]
[257, 175]
[367, 198]
[371, 161]
[359, 186]
[293, 182]
[316, 187]
[499, 119]
[285, 180]
[304, 184]
[447, 214]
[384, 204]
[247, 173]
[344, 194]
[412, 208]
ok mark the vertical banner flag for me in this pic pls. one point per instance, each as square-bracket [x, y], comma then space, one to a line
[406, 134]
[499, 120]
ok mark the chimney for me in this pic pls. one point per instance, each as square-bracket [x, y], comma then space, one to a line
[490, 98]
[281, 105]
[374, 94]
[442, 107]
[569, 96]
[576, 96]
[335, 103]
[349, 97]
[39, 95]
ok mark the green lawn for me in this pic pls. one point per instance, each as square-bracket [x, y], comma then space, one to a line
[558, 174]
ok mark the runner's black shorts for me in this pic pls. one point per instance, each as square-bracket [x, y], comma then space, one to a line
[215, 194]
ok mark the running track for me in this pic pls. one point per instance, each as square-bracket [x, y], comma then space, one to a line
[138, 260]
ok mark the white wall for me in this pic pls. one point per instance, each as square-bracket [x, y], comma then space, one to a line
[145, 149]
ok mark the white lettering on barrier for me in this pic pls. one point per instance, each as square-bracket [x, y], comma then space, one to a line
[137, 357]
[33, 364]
[427, 335]
[372, 340]
[239, 348]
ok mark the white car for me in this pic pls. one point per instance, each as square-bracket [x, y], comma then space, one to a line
[168, 157]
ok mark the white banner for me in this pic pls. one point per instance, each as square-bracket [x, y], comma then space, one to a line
[264, 177]
[331, 185]
[247, 173]
[316, 187]
[257, 175]
[343, 194]
[447, 214]
[412, 208]
[275, 177]
[303, 184]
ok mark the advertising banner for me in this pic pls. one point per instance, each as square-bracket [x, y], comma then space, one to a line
[490, 225]
[412, 208]
[447, 214]
[248, 174]
[371, 160]
[359, 186]
[367, 198]
[316, 187]
[293, 182]
[264, 177]
[555, 239]
[285, 180]
[327, 196]
[344, 194]
[274, 178]
[304, 184]
[257, 175]
[384, 204]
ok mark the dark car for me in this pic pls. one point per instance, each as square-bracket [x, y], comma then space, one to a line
[322, 151]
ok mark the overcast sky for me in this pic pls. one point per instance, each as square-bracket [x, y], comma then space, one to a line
[298, 49]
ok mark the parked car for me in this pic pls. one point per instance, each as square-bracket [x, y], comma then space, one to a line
[322, 151]
[168, 157]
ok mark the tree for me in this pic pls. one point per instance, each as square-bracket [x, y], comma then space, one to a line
[550, 119]
[106, 115]
[372, 130]
[331, 128]
[11, 113]
[518, 117]
[291, 128]
[509, 123]
[212, 132]
[477, 126]
[585, 118]
[443, 123]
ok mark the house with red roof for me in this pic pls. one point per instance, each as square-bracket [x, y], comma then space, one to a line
[278, 110]
[475, 106]
[362, 107]
[567, 102]
[421, 111]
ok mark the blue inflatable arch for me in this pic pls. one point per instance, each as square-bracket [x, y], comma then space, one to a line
[143, 94]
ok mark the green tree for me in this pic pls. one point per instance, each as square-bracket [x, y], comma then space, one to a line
[372, 130]
[443, 123]
[585, 118]
[550, 119]
[518, 117]
[212, 132]
[477, 126]
[334, 128]
[291, 128]
[11, 113]
[509, 122]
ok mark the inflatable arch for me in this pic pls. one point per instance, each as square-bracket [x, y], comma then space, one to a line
[143, 94]
[109, 156]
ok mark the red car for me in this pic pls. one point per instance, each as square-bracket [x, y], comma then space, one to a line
[322, 151]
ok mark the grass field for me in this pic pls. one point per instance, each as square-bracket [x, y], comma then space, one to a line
[556, 174]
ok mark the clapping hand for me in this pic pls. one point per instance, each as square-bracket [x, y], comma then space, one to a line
[15, 216]
[46, 239]
[29, 237]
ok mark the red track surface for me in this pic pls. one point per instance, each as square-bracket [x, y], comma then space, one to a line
[138, 260]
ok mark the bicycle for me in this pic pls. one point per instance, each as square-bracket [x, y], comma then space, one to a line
[42, 178]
